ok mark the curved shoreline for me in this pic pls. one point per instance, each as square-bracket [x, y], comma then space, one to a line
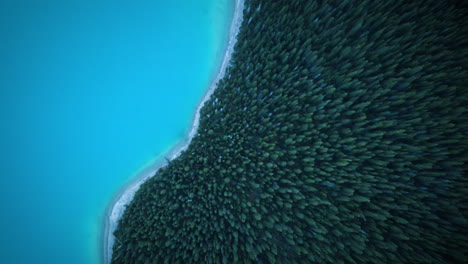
[116, 208]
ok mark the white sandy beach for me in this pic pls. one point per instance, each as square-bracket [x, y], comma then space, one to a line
[117, 207]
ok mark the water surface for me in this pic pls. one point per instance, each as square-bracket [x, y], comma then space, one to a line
[90, 91]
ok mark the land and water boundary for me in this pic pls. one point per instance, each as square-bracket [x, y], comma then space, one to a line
[117, 206]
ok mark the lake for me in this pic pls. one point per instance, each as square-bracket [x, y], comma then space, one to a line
[90, 92]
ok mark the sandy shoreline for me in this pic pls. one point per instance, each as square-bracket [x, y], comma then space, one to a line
[117, 206]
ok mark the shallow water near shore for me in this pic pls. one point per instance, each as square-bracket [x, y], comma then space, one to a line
[90, 93]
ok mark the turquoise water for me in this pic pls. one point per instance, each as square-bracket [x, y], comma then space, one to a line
[90, 91]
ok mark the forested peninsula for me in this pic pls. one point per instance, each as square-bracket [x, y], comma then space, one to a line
[337, 135]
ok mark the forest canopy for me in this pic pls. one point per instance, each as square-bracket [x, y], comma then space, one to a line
[338, 135]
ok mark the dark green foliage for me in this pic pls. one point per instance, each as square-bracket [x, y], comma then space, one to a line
[339, 135]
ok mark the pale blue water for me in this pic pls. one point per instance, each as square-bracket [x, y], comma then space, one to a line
[90, 91]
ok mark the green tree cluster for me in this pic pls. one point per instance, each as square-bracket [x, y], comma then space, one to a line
[338, 135]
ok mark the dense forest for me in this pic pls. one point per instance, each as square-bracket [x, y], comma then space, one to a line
[338, 135]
